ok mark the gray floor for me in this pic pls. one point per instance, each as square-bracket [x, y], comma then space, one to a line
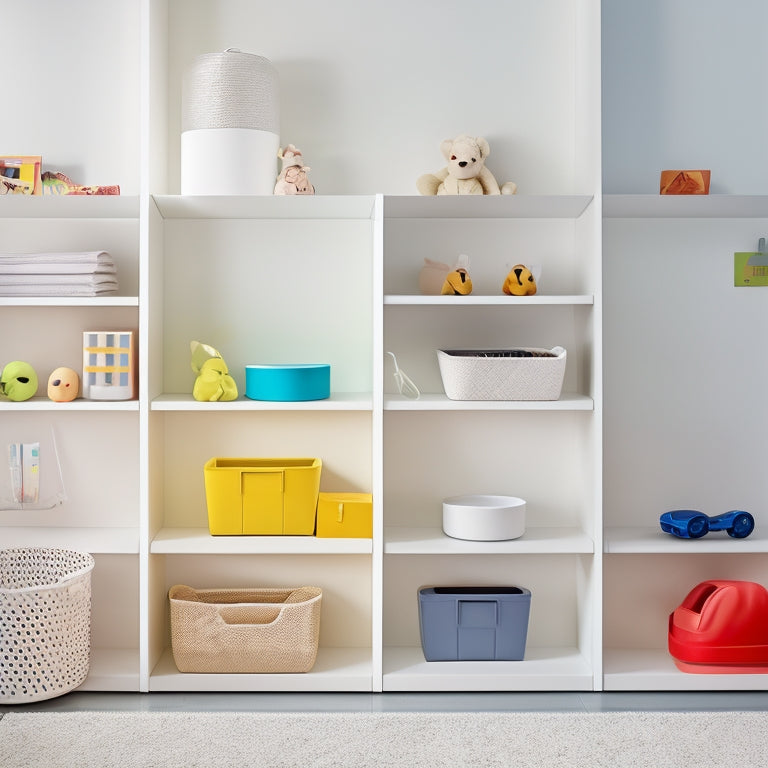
[401, 702]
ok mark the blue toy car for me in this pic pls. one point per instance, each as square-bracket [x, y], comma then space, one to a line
[691, 524]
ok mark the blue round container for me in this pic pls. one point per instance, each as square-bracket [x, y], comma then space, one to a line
[288, 383]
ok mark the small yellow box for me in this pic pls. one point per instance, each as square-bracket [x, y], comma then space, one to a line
[271, 497]
[345, 515]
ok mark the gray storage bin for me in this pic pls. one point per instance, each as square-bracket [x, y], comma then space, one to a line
[474, 623]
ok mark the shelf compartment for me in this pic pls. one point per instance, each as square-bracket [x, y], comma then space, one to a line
[652, 540]
[336, 669]
[112, 541]
[685, 206]
[190, 541]
[70, 207]
[486, 206]
[265, 207]
[543, 669]
[654, 670]
[475, 300]
[431, 401]
[113, 669]
[338, 401]
[44, 404]
[400, 540]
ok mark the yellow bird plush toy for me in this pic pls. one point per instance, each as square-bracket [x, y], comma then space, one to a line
[519, 282]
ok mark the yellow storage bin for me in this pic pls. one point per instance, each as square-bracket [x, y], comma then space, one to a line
[272, 497]
[345, 515]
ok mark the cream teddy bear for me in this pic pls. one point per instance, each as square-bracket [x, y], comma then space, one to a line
[465, 173]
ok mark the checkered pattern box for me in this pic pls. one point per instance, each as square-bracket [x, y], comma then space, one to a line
[109, 365]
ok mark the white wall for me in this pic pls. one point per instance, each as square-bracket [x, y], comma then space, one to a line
[684, 86]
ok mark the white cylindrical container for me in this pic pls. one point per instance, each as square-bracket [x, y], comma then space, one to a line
[230, 125]
[484, 518]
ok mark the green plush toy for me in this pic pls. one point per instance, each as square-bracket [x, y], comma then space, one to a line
[213, 381]
[18, 381]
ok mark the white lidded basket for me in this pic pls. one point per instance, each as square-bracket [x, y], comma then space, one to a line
[45, 622]
[245, 630]
[524, 373]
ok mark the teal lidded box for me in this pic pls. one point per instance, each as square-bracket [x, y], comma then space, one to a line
[288, 383]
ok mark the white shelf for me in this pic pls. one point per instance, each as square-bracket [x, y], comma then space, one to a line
[488, 301]
[655, 670]
[685, 206]
[431, 401]
[266, 207]
[487, 207]
[112, 670]
[44, 404]
[338, 401]
[543, 669]
[336, 669]
[647, 540]
[69, 207]
[112, 541]
[69, 301]
[198, 541]
[432, 541]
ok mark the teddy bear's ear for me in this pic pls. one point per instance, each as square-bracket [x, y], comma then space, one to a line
[485, 150]
[446, 147]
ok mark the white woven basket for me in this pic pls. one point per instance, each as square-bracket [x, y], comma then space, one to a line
[498, 375]
[245, 630]
[45, 623]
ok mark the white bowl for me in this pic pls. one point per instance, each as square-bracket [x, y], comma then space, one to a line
[484, 518]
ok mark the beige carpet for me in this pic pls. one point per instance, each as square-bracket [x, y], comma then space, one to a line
[383, 740]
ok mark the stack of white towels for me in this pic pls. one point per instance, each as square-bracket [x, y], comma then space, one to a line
[90, 273]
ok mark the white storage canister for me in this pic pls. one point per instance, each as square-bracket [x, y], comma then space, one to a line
[230, 125]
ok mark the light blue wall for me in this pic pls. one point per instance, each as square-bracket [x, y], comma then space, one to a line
[685, 85]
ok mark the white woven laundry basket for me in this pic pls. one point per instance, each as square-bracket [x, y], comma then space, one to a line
[525, 373]
[245, 630]
[45, 622]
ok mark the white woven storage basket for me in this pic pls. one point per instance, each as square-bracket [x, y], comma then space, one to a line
[245, 630]
[526, 373]
[45, 622]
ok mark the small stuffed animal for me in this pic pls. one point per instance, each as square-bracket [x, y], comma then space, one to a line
[63, 385]
[519, 282]
[213, 382]
[465, 173]
[458, 283]
[293, 179]
[18, 381]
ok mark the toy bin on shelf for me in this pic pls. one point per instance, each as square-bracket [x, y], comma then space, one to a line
[345, 515]
[262, 496]
[474, 623]
[45, 623]
[288, 383]
[525, 373]
[721, 627]
[245, 630]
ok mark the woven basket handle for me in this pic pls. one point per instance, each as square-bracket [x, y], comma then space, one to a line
[251, 615]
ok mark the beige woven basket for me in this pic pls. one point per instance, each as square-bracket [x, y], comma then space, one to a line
[527, 373]
[245, 630]
[45, 623]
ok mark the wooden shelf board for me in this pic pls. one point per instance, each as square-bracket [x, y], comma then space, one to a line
[652, 540]
[338, 401]
[543, 669]
[432, 541]
[199, 541]
[438, 401]
[654, 670]
[336, 669]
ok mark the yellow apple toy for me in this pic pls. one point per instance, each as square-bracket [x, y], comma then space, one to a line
[519, 282]
[63, 385]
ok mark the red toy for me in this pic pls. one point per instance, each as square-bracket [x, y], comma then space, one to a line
[721, 627]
